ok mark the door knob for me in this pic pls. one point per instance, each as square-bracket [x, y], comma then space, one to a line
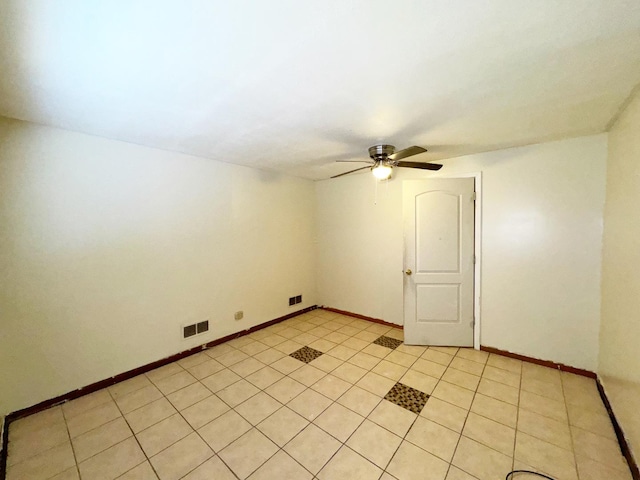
[408, 271]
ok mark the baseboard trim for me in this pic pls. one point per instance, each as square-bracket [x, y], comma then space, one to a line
[143, 369]
[537, 361]
[5, 446]
[622, 441]
[362, 317]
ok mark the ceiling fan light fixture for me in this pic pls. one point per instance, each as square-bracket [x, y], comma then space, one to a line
[381, 172]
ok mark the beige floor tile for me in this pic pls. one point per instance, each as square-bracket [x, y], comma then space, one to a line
[309, 404]
[285, 389]
[377, 350]
[101, 438]
[374, 443]
[348, 464]
[326, 363]
[364, 360]
[598, 448]
[413, 463]
[323, 345]
[591, 421]
[281, 466]
[219, 350]
[113, 462]
[273, 340]
[545, 389]
[397, 333]
[32, 423]
[349, 330]
[258, 407]
[181, 457]
[240, 341]
[586, 397]
[501, 376]
[366, 336]
[269, 356]
[33, 442]
[212, 469]
[264, 377]
[505, 363]
[246, 454]
[312, 448]
[557, 461]
[389, 370]
[461, 379]
[237, 393]
[349, 372]
[138, 398]
[445, 414]
[43, 465]
[92, 419]
[492, 434]
[70, 474]
[159, 436]
[359, 400]
[497, 410]
[204, 369]
[419, 381]
[85, 403]
[357, 343]
[223, 430]
[340, 351]
[413, 350]
[403, 359]
[149, 415]
[220, 380]
[467, 366]
[320, 331]
[307, 375]
[532, 371]
[474, 355]
[454, 394]
[164, 372]
[233, 357]
[433, 438]
[187, 396]
[376, 384]
[306, 338]
[379, 329]
[141, 472]
[480, 461]
[339, 421]
[193, 360]
[544, 406]
[253, 348]
[456, 474]
[282, 426]
[428, 367]
[545, 428]
[289, 332]
[435, 356]
[499, 391]
[392, 417]
[175, 382]
[589, 469]
[288, 346]
[287, 364]
[332, 387]
[204, 411]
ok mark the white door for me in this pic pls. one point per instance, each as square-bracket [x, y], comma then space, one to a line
[439, 261]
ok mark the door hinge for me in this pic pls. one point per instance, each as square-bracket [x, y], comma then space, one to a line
[473, 197]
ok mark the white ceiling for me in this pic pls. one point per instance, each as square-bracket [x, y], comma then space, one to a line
[293, 85]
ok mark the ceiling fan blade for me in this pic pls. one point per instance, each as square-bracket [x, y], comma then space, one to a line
[350, 171]
[356, 161]
[407, 152]
[424, 166]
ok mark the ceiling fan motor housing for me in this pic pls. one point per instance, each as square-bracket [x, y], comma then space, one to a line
[381, 152]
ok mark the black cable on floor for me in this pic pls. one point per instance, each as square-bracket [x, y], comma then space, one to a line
[510, 474]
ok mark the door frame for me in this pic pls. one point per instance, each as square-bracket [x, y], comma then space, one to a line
[477, 248]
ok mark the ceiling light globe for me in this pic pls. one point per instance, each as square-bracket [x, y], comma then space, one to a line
[381, 172]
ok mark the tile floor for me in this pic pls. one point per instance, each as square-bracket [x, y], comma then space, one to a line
[247, 409]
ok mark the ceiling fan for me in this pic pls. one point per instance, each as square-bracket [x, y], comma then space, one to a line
[385, 157]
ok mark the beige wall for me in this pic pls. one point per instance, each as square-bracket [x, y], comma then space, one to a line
[541, 246]
[620, 330]
[107, 248]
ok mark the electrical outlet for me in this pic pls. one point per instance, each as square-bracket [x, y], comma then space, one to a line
[239, 315]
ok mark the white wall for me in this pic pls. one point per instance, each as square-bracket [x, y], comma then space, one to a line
[619, 364]
[106, 248]
[541, 235]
